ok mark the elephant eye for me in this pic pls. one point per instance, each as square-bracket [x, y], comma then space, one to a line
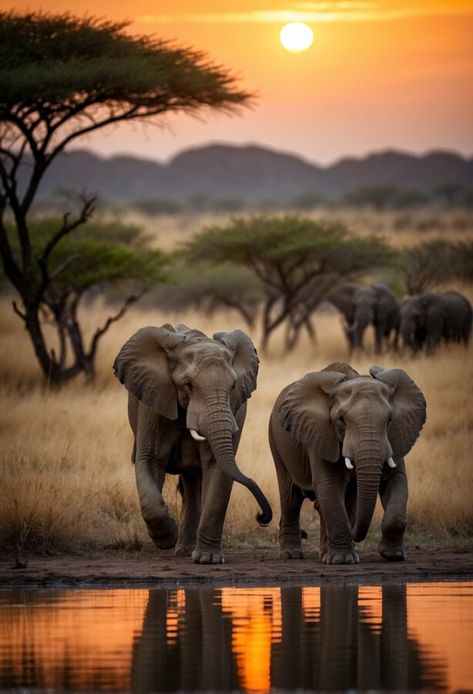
[188, 385]
[234, 386]
[341, 419]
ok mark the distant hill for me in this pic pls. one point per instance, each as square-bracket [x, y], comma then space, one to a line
[248, 172]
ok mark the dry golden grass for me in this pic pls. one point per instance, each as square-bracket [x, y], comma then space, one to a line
[65, 474]
[401, 229]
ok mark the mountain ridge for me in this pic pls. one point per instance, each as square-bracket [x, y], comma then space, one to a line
[250, 172]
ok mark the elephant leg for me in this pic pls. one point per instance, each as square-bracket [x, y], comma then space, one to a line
[379, 330]
[216, 489]
[162, 527]
[393, 493]
[330, 484]
[290, 498]
[190, 486]
[323, 531]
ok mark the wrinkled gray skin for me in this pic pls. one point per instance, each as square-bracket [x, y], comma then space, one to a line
[364, 306]
[318, 421]
[181, 380]
[430, 318]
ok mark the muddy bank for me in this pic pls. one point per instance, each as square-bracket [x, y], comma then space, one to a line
[260, 566]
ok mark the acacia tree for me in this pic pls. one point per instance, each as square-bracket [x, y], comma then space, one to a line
[297, 260]
[208, 287]
[62, 77]
[429, 265]
[100, 258]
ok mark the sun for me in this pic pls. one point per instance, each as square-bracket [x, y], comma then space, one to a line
[296, 37]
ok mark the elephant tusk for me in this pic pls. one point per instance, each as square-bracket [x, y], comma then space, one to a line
[348, 463]
[354, 326]
[391, 463]
[196, 436]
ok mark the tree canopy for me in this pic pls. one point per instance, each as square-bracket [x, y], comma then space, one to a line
[208, 287]
[431, 264]
[99, 258]
[297, 260]
[62, 77]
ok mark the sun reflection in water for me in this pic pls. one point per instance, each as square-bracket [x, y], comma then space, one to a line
[417, 636]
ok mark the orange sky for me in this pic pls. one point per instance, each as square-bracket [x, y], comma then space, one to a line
[385, 73]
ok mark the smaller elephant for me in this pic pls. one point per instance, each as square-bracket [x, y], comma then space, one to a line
[340, 438]
[187, 398]
[375, 305]
[430, 318]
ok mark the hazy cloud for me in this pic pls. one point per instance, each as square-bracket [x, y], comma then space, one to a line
[324, 11]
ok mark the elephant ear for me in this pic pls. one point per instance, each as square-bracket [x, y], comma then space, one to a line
[342, 299]
[409, 409]
[245, 363]
[143, 368]
[305, 413]
[342, 367]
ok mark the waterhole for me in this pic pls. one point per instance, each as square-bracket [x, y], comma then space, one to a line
[330, 638]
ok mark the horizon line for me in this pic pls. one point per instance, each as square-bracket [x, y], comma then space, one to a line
[274, 150]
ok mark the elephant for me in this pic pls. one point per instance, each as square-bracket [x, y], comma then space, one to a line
[187, 398]
[429, 318]
[339, 438]
[375, 305]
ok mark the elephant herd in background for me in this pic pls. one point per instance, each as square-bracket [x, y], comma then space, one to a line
[422, 321]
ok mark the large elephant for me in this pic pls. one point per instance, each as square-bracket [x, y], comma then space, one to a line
[186, 406]
[429, 318]
[340, 438]
[375, 305]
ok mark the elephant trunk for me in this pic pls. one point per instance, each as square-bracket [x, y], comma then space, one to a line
[362, 320]
[368, 474]
[219, 429]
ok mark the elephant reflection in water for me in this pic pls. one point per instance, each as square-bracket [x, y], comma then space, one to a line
[195, 654]
[342, 650]
[338, 648]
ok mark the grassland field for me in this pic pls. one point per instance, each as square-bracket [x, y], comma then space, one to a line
[66, 479]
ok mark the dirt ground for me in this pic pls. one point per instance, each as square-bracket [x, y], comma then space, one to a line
[255, 567]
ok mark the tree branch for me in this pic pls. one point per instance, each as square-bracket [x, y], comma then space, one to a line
[112, 319]
[66, 228]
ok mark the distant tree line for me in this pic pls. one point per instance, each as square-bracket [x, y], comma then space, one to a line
[381, 198]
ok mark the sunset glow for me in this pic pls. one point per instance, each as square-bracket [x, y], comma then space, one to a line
[400, 69]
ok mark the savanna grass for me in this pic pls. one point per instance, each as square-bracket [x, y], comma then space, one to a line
[66, 479]
[68, 484]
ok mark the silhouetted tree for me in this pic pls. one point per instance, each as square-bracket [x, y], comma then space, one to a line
[297, 260]
[62, 77]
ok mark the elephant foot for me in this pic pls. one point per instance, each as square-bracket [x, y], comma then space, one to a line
[340, 557]
[291, 553]
[183, 551]
[164, 534]
[391, 552]
[207, 557]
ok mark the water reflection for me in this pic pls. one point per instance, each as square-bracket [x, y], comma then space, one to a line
[334, 637]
